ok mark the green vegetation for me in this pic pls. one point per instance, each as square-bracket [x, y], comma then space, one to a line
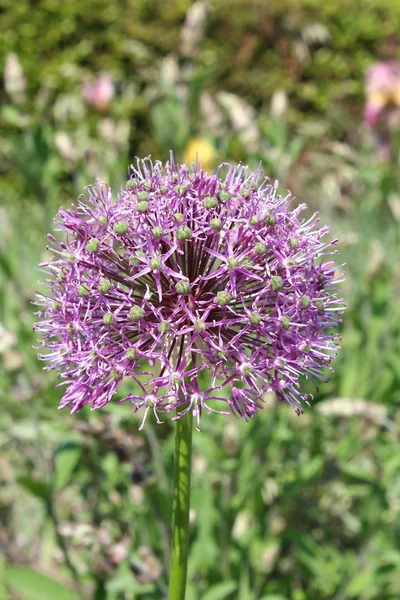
[284, 507]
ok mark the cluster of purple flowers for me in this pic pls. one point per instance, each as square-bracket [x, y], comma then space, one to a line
[206, 290]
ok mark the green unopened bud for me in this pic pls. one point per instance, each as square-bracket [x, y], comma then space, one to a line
[199, 325]
[92, 245]
[120, 227]
[143, 196]
[244, 193]
[164, 326]
[260, 248]
[182, 287]
[108, 319]
[143, 205]
[157, 231]
[104, 286]
[223, 298]
[183, 233]
[254, 185]
[216, 224]
[255, 318]
[294, 243]
[131, 353]
[270, 220]
[147, 185]
[305, 301]
[136, 313]
[319, 304]
[276, 283]
[155, 264]
[254, 220]
[179, 217]
[232, 262]
[285, 322]
[116, 375]
[210, 202]
[55, 305]
[130, 184]
[163, 189]
[224, 196]
[83, 291]
[180, 189]
[103, 219]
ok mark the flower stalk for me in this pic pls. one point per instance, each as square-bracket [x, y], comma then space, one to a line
[181, 507]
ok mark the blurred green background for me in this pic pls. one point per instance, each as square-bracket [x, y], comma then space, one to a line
[284, 508]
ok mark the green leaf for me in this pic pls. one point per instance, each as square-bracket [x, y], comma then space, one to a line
[221, 591]
[37, 487]
[32, 585]
[66, 458]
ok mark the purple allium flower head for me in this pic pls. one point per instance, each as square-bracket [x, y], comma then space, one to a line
[206, 290]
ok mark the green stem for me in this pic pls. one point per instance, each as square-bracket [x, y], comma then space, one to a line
[181, 506]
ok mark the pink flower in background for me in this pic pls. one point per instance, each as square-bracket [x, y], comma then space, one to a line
[100, 93]
[382, 89]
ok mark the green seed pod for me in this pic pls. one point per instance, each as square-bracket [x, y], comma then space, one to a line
[163, 189]
[142, 206]
[183, 233]
[223, 298]
[147, 185]
[276, 283]
[157, 231]
[103, 219]
[285, 322]
[164, 326]
[108, 319]
[216, 224]
[143, 196]
[155, 264]
[199, 325]
[121, 227]
[270, 220]
[183, 287]
[179, 217]
[319, 304]
[210, 202]
[254, 220]
[92, 245]
[260, 248]
[305, 301]
[232, 262]
[136, 313]
[130, 184]
[131, 353]
[55, 305]
[104, 286]
[116, 375]
[224, 196]
[294, 243]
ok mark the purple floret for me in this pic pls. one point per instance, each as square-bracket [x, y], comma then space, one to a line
[189, 273]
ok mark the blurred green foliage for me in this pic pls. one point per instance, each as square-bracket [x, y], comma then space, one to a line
[284, 508]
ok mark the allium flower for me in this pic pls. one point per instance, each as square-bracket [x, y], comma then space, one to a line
[100, 93]
[382, 89]
[206, 290]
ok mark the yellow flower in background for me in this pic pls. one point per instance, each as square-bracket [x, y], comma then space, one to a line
[201, 150]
